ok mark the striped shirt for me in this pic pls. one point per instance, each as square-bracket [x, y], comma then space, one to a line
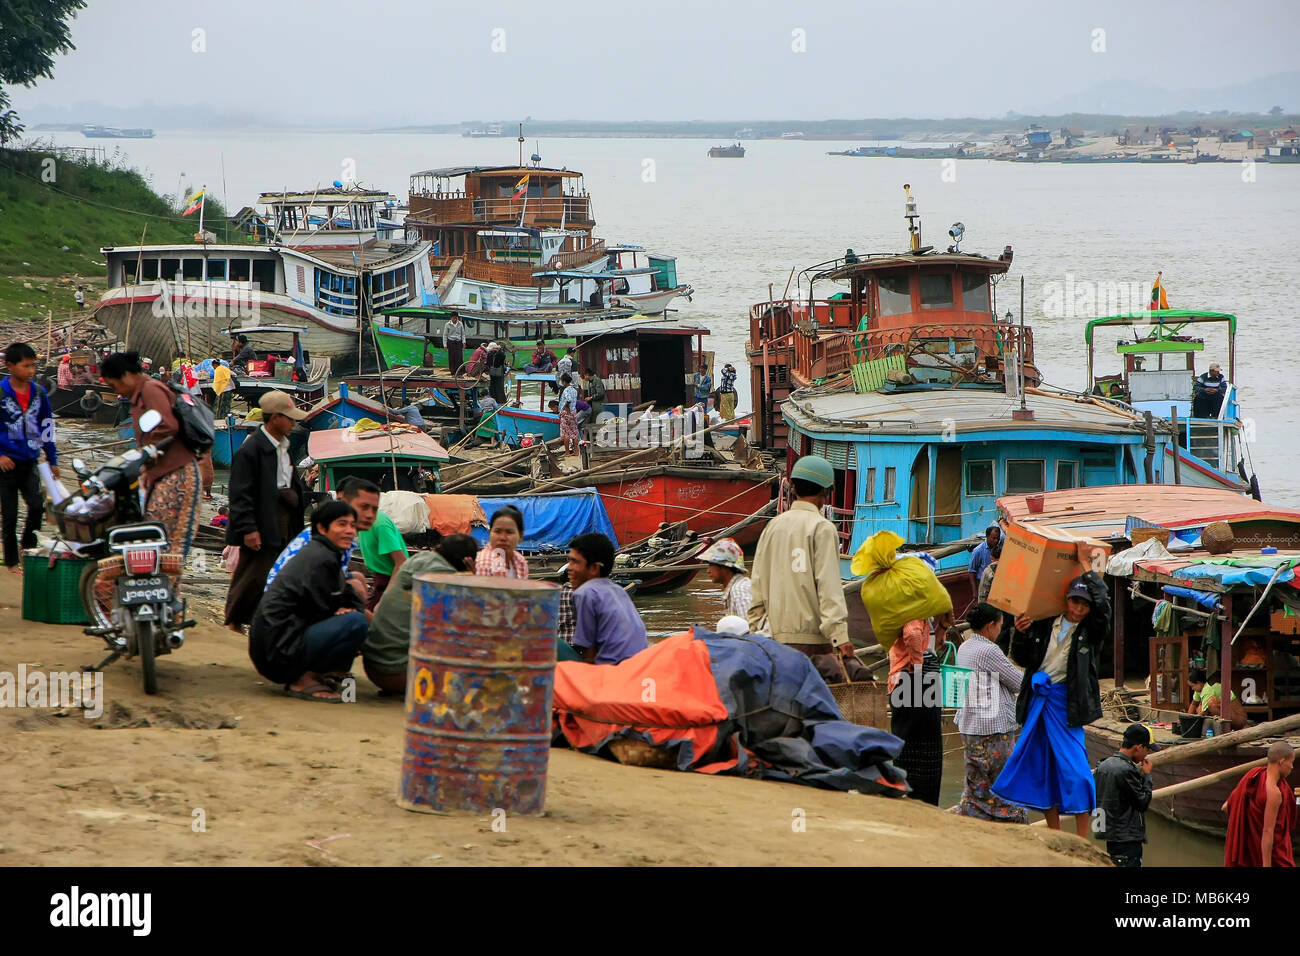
[991, 698]
[567, 623]
[739, 595]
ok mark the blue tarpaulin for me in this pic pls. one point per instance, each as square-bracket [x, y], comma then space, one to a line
[552, 521]
[1204, 598]
[1228, 575]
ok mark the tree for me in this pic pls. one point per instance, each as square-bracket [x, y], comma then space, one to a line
[1275, 111]
[31, 33]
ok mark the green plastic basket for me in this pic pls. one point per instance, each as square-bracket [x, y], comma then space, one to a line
[956, 680]
[52, 592]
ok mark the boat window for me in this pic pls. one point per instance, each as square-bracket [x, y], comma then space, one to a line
[128, 271]
[1067, 474]
[936, 291]
[975, 292]
[919, 507]
[895, 295]
[1025, 475]
[890, 477]
[170, 267]
[979, 477]
[264, 274]
[149, 269]
[216, 268]
[192, 268]
[869, 489]
[241, 270]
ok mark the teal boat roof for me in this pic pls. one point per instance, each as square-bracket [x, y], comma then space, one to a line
[1161, 317]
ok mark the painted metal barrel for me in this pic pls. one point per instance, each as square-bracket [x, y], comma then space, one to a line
[478, 694]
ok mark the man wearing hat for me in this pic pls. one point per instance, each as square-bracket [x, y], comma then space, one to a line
[267, 501]
[1123, 795]
[798, 596]
[1208, 392]
[727, 568]
[1048, 770]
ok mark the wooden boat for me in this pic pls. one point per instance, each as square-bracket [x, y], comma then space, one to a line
[1240, 609]
[394, 460]
[284, 367]
[412, 335]
[323, 266]
[1210, 451]
[510, 238]
[230, 435]
[346, 409]
[727, 152]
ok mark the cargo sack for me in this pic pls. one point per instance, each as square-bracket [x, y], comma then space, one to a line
[896, 590]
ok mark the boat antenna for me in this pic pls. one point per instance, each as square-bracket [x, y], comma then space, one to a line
[911, 215]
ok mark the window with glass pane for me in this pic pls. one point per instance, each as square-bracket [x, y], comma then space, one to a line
[1025, 475]
[1067, 474]
[936, 292]
[979, 477]
[975, 293]
[890, 478]
[895, 295]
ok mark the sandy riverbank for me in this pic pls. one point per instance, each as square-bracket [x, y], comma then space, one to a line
[276, 777]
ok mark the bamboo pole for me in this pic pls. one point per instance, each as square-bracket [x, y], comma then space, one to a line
[1208, 745]
[1176, 788]
[49, 333]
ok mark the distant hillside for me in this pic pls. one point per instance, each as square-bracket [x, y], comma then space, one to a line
[51, 232]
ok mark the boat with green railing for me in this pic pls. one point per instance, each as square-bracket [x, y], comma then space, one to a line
[412, 335]
[1158, 375]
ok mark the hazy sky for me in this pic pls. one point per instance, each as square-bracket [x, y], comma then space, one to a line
[386, 62]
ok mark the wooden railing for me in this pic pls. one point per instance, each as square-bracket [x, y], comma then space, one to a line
[831, 353]
[771, 320]
[457, 207]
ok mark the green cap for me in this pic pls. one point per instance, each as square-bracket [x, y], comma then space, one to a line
[814, 468]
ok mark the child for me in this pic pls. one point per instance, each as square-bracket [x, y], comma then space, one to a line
[1123, 795]
[221, 518]
[26, 429]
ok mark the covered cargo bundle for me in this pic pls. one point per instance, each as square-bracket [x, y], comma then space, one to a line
[715, 703]
[897, 589]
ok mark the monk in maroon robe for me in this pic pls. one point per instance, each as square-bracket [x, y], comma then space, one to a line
[1262, 813]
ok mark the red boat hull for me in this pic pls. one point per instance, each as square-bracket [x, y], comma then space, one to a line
[639, 503]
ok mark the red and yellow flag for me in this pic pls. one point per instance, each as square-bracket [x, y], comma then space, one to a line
[196, 202]
[1158, 300]
[521, 187]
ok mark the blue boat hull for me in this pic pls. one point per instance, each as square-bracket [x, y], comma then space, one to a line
[514, 423]
[227, 442]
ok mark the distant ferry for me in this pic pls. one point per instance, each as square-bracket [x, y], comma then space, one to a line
[112, 132]
[480, 133]
[795, 134]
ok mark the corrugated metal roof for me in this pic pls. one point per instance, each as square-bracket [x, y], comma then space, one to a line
[1103, 512]
[447, 172]
[912, 412]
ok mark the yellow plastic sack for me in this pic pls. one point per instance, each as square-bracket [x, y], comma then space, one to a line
[897, 590]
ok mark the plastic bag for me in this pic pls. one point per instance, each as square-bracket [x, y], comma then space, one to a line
[408, 510]
[896, 590]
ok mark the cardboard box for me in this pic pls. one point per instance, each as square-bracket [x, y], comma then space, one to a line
[1036, 568]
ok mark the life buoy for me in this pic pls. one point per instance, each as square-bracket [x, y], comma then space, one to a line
[91, 402]
[44, 382]
[554, 264]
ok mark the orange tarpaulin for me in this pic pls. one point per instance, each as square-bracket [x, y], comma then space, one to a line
[454, 514]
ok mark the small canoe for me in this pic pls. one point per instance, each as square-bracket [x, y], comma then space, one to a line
[514, 423]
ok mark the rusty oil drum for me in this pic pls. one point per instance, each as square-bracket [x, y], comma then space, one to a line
[478, 694]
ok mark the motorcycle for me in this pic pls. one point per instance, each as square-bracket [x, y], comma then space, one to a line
[129, 590]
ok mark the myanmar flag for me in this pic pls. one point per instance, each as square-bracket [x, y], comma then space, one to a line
[196, 202]
[1158, 300]
[521, 187]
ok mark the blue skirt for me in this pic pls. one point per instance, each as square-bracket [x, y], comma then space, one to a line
[1049, 767]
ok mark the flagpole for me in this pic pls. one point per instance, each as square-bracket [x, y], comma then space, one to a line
[203, 201]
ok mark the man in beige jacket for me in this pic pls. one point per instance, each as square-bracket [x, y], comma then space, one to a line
[798, 595]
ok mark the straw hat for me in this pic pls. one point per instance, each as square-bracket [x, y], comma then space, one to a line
[727, 554]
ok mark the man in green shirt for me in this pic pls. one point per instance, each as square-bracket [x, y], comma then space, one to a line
[387, 646]
[382, 547]
[1206, 699]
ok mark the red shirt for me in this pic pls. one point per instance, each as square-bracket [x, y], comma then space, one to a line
[24, 398]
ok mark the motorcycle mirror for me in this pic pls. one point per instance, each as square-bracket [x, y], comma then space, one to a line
[79, 466]
[150, 420]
